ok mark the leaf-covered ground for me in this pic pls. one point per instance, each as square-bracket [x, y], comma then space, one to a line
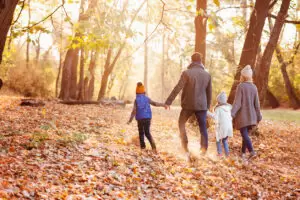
[88, 152]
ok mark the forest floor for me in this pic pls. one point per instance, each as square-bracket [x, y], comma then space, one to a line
[89, 152]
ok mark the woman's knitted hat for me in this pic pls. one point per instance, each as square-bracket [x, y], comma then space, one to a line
[247, 71]
[140, 89]
[222, 98]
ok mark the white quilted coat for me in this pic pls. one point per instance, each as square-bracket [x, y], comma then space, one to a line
[223, 121]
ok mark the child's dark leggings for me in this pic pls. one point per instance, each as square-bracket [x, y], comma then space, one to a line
[247, 144]
[144, 130]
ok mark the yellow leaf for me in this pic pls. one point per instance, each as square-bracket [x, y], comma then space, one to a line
[44, 112]
[217, 2]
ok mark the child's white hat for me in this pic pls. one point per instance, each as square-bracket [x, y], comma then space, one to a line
[222, 98]
[247, 71]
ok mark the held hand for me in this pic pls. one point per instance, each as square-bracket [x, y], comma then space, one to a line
[167, 107]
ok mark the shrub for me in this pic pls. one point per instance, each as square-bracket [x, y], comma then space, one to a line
[31, 81]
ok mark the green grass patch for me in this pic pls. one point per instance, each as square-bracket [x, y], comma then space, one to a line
[36, 140]
[74, 138]
[282, 115]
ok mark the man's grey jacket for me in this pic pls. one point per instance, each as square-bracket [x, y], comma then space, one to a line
[197, 89]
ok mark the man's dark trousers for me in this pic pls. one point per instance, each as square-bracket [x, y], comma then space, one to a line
[201, 118]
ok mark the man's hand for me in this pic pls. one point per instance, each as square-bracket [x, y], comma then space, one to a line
[167, 107]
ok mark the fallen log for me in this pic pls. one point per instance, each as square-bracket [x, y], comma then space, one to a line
[79, 102]
[32, 102]
[101, 102]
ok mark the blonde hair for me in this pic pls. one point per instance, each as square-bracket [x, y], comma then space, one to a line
[246, 79]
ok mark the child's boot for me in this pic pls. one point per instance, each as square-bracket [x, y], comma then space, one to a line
[244, 157]
[253, 154]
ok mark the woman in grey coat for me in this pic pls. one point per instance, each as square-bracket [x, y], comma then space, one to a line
[246, 109]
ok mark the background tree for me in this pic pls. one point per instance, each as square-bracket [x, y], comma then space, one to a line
[6, 16]
[252, 41]
[200, 28]
[262, 70]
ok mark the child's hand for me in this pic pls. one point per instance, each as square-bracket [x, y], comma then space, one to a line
[167, 107]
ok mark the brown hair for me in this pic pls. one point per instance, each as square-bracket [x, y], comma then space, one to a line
[197, 57]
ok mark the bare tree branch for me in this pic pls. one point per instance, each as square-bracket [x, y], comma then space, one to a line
[45, 18]
[66, 13]
[18, 17]
[233, 7]
[151, 34]
[160, 21]
[296, 48]
[285, 21]
[272, 4]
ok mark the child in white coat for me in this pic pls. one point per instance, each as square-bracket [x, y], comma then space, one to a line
[223, 122]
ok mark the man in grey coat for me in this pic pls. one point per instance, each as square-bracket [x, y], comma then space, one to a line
[195, 99]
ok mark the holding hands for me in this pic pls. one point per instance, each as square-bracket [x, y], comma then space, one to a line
[167, 107]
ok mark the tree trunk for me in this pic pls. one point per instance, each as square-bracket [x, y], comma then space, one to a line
[71, 59]
[60, 55]
[244, 6]
[105, 75]
[2, 4]
[146, 51]
[81, 77]
[297, 15]
[272, 100]
[294, 101]
[108, 68]
[86, 89]
[28, 36]
[124, 84]
[163, 67]
[58, 75]
[38, 49]
[92, 67]
[252, 41]
[262, 71]
[111, 82]
[6, 16]
[73, 75]
[104, 82]
[200, 28]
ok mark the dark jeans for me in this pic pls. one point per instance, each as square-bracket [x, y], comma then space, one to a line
[144, 130]
[201, 118]
[247, 144]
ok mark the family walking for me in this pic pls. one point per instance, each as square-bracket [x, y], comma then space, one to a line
[196, 97]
